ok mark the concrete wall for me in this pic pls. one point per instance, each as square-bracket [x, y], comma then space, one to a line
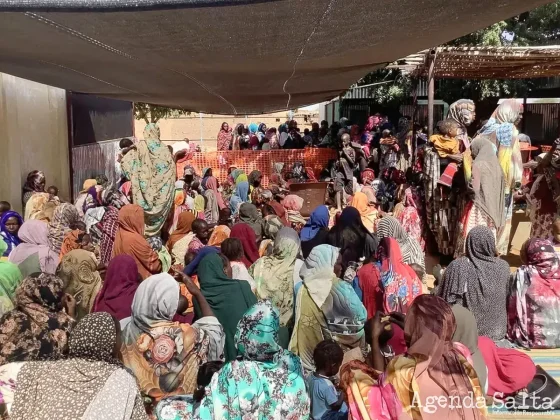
[33, 135]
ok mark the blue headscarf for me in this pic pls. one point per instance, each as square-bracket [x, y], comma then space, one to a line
[319, 219]
[253, 127]
[11, 240]
[192, 268]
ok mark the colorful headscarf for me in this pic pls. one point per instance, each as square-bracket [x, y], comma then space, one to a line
[37, 328]
[400, 283]
[10, 277]
[433, 366]
[319, 219]
[78, 271]
[274, 275]
[64, 216]
[11, 240]
[389, 227]
[91, 383]
[163, 355]
[368, 175]
[273, 375]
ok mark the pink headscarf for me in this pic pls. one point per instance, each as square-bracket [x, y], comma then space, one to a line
[34, 240]
[293, 202]
[212, 184]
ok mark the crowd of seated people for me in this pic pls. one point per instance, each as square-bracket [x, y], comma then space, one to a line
[170, 299]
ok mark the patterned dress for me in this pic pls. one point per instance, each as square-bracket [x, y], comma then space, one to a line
[152, 172]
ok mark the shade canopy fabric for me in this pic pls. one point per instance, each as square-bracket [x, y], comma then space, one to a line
[227, 56]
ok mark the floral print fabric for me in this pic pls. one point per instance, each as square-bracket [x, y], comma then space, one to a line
[151, 170]
[267, 383]
[36, 328]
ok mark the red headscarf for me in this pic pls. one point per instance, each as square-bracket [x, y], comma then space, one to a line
[246, 235]
[117, 293]
[369, 279]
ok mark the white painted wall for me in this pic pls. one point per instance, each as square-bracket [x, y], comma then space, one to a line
[33, 135]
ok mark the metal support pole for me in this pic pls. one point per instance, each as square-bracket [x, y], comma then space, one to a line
[432, 60]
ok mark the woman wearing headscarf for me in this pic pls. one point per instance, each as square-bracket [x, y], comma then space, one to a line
[64, 216]
[368, 214]
[544, 192]
[107, 231]
[37, 328]
[214, 201]
[35, 183]
[180, 239]
[272, 137]
[241, 192]
[463, 113]
[130, 240]
[389, 227]
[237, 137]
[40, 207]
[90, 384]
[219, 234]
[400, 283]
[249, 215]
[119, 286]
[224, 137]
[10, 278]
[500, 371]
[480, 282]
[466, 333]
[502, 132]
[433, 367]
[10, 223]
[485, 184]
[246, 235]
[534, 301]
[228, 299]
[34, 242]
[78, 271]
[270, 377]
[163, 355]
[410, 218]
[179, 206]
[351, 236]
[151, 170]
[276, 275]
[326, 307]
[316, 230]
[293, 205]
[254, 179]
[81, 199]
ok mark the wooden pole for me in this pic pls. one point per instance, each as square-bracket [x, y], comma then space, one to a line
[432, 59]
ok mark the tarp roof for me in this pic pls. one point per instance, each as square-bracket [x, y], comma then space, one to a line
[484, 62]
[227, 56]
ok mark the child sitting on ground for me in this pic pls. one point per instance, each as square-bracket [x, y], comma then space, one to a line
[326, 401]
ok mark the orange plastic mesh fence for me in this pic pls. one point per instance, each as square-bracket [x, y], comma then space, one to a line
[249, 160]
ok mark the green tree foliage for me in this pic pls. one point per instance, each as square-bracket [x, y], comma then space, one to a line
[153, 113]
[540, 26]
